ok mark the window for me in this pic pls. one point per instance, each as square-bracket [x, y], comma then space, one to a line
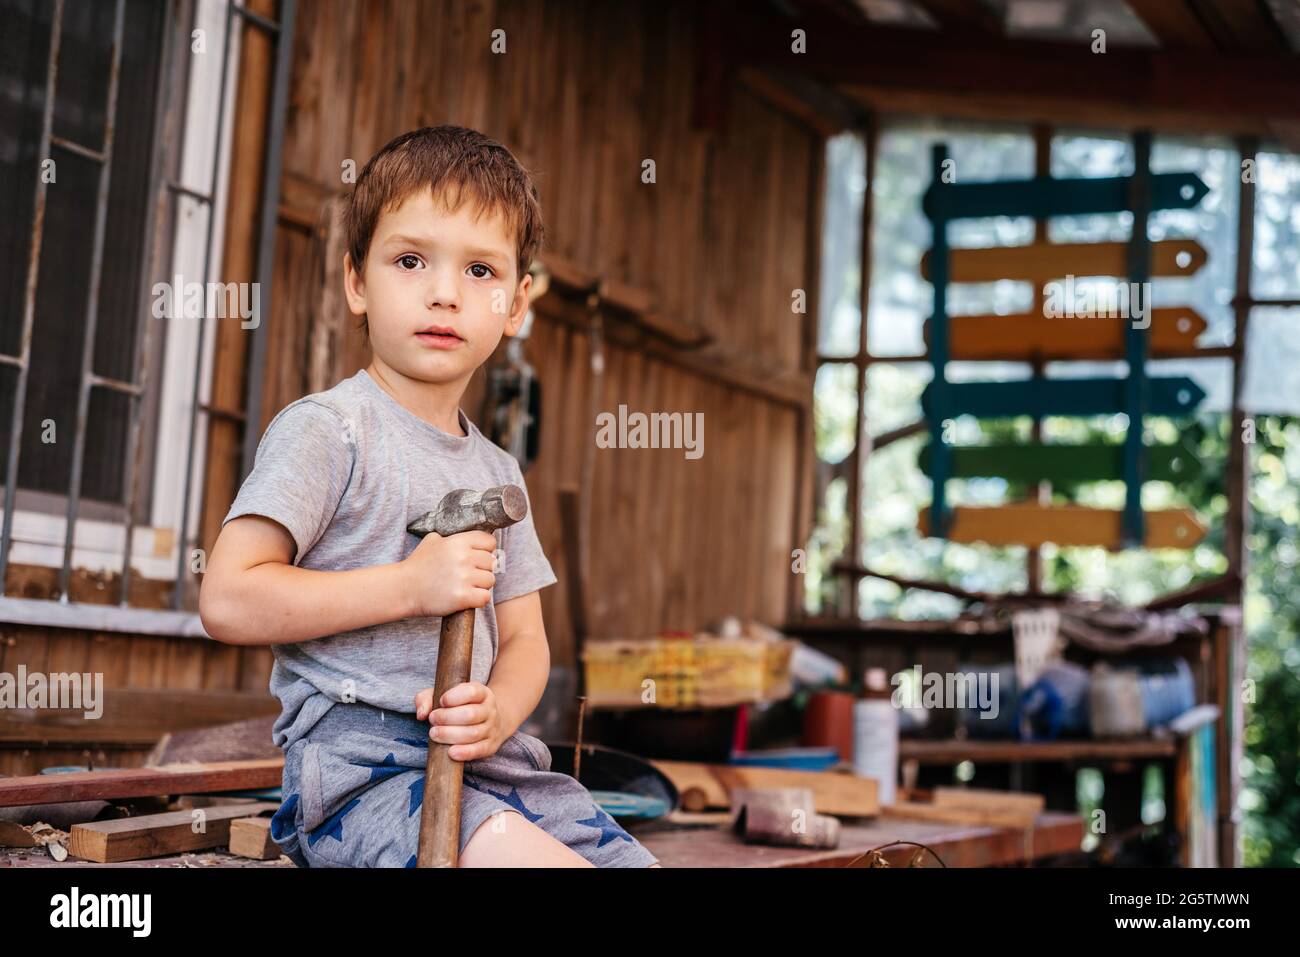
[103, 388]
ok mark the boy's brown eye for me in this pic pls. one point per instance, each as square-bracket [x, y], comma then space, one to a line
[486, 271]
[408, 262]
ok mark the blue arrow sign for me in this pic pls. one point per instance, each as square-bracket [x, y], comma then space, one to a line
[1043, 196]
[1178, 395]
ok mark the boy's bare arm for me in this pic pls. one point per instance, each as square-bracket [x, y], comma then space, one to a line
[252, 594]
[523, 663]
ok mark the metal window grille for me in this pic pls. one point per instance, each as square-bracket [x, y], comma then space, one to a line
[161, 191]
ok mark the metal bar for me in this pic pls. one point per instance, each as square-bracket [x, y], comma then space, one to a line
[266, 237]
[183, 539]
[193, 194]
[262, 23]
[861, 437]
[16, 361]
[1252, 301]
[92, 297]
[1135, 345]
[29, 297]
[1042, 491]
[1204, 352]
[940, 456]
[1237, 518]
[158, 198]
[86, 616]
[94, 156]
[117, 385]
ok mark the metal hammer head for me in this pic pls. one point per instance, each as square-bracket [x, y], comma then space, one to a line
[464, 510]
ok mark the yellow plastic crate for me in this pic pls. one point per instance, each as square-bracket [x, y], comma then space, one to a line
[704, 671]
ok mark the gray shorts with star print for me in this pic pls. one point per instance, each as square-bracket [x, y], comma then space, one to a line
[354, 783]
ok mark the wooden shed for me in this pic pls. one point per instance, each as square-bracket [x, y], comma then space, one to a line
[680, 150]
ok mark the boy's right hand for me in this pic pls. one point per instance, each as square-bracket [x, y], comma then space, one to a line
[446, 575]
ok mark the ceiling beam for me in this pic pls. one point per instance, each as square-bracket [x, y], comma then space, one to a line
[1217, 86]
[1174, 24]
[963, 15]
[1241, 26]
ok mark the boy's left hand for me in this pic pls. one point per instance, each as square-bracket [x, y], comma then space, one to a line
[467, 718]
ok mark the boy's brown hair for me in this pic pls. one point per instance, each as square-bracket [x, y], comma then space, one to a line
[456, 164]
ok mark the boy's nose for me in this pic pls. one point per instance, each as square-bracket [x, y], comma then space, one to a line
[443, 290]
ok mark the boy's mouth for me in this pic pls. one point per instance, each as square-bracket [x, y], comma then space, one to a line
[439, 337]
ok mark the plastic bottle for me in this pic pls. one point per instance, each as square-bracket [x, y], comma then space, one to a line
[875, 735]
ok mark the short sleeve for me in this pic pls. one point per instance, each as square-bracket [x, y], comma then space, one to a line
[301, 470]
[524, 567]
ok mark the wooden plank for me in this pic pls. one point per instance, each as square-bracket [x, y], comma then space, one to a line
[974, 816]
[1031, 804]
[154, 835]
[1036, 462]
[105, 785]
[710, 785]
[1043, 262]
[1043, 197]
[1174, 395]
[1025, 336]
[1032, 524]
[133, 716]
[251, 837]
[1011, 752]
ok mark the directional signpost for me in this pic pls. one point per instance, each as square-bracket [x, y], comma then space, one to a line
[1125, 328]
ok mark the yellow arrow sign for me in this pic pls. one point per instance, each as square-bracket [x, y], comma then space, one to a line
[1042, 262]
[1023, 336]
[1025, 523]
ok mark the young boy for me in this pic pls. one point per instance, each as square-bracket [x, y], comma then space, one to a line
[315, 560]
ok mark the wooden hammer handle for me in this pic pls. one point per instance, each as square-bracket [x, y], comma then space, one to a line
[443, 777]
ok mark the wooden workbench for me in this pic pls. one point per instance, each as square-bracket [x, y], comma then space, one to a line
[958, 845]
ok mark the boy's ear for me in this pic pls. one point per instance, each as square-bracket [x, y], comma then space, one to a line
[354, 287]
[519, 308]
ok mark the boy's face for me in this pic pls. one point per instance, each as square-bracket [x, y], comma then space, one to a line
[438, 289]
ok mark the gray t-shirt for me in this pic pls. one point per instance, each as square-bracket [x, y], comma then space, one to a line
[345, 471]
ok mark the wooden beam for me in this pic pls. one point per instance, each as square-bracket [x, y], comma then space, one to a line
[1014, 109]
[1024, 336]
[1241, 26]
[1174, 23]
[141, 782]
[251, 837]
[1027, 523]
[1043, 262]
[963, 16]
[157, 835]
[132, 717]
[823, 110]
[1064, 464]
[848, 55]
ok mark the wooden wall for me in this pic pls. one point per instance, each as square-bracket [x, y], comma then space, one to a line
[583, 94]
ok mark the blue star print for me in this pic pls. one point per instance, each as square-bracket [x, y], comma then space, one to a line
[513, 799]
[282, 822]
[384, 770]
[333, 825]
[609, 830]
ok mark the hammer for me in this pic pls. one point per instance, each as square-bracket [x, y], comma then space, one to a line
[460, 511]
